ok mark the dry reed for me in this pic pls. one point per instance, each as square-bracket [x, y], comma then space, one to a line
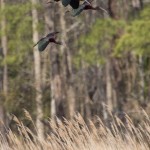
[77, 135]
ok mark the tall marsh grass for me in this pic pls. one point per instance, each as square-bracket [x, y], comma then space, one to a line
[77, 135]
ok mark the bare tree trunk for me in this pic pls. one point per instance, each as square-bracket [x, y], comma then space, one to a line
[53, 58]
[67, 68]
[141, 80]
[55, 72]
[109, 85]
[116, 11]
[53, 100]
[37, 69]
[56, 83]
[136, 3]
[86, 96]
[5, 49]
[45, 58]
[5, 70]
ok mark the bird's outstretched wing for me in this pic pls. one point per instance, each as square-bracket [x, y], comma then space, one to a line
[74, 4]
[66, 2]
[76, 12]
[52, 34]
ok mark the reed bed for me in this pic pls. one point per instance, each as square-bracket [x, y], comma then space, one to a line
[75, 134]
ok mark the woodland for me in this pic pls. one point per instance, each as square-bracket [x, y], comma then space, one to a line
[102, 66]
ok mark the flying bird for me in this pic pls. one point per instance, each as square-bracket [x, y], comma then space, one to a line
[86, 5]
[73, 3]
[49, 38]
[64, 2]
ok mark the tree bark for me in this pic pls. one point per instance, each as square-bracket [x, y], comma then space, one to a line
[56, 83]
[86, 96]
[141, 80]
[67, 68]
[5, 49]
[37, 69]
[5, 68]
[55, 71]
[109, 85]
[136, 3]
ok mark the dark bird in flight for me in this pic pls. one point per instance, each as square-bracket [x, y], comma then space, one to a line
[86, 5]
[73, 3]
[49, 38]
[64, 2]
[76, 3]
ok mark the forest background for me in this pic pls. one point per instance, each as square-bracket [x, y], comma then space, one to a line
[103, 64]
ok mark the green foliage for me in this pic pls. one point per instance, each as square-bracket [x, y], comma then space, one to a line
[19, 32]
[115, 37]
[20, 56]
[136, 36]
[98, 43]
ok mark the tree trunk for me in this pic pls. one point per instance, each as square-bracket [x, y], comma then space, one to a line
[67, 68]
[5, 49]
[55, 72]
[5, 70]
[37, 69]
[136, 3]
[56, 83]
[141, 80]
[86, 96]
[109, 85]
